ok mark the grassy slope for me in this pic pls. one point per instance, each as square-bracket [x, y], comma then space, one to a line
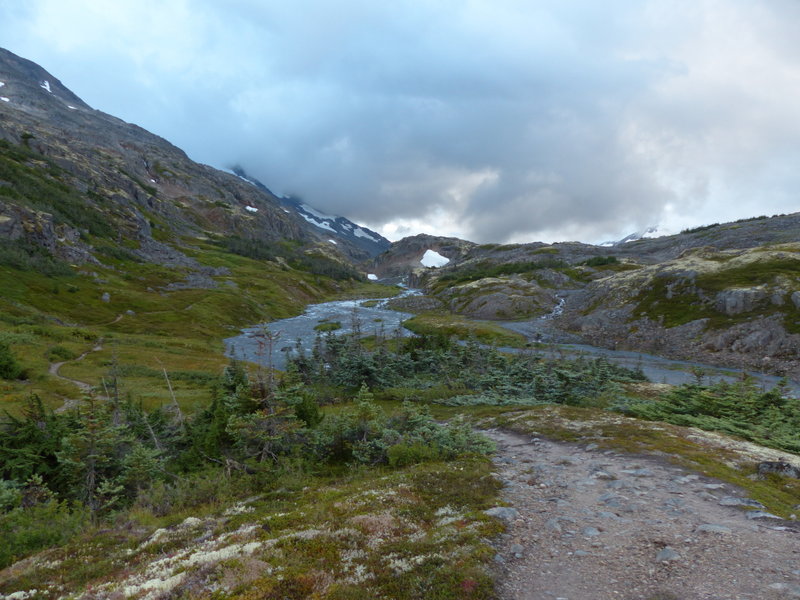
[50, 319]
[433, 323]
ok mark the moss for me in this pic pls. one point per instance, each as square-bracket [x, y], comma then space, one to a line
[433, 323]
[752, 274]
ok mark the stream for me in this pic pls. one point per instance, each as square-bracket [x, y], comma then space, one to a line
[372, 317]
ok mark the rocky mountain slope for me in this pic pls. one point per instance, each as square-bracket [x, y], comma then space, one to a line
[727, 294]
[123, 182]
[337, 228]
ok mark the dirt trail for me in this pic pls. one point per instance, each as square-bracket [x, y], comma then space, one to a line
[589, 524]
[85, 388]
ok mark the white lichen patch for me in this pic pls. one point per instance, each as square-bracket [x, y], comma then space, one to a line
[190, 522]
[746, 451]
[22, 595]
[238, 509]
[359, 574]
[159, 535]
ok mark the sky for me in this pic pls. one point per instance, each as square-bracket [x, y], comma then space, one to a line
[489, 120]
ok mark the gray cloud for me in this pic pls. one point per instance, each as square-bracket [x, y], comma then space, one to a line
[494, 121]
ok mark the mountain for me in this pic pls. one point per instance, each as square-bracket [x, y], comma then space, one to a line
[337, 229]
[647, 232]
[126, 183]
[137, 461]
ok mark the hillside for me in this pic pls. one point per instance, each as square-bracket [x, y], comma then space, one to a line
[110, 236]
[727, 294]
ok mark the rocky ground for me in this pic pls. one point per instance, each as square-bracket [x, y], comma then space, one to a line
[592, 524]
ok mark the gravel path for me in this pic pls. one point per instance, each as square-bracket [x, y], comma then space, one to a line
[588, 524]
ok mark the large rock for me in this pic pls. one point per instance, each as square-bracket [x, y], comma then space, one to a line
[737, 301]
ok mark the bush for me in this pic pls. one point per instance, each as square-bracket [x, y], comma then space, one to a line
[601, 261]
[59, 352]
[403, 455]
[9, 368]
[23, 255]
[364, 434]
[28, 530]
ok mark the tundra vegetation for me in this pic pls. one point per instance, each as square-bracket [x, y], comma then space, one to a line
[136, 460]
[331, 479]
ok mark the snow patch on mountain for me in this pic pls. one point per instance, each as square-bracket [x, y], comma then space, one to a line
[344, 229]
[372, 277]
[363, 234]
[431, 258]
[317, 214]
[251, 209]
[649, 232]
[45, 85]
[2, 83]
[4, 99]
[320, 224]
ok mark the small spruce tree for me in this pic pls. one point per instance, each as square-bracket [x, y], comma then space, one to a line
[9, 368]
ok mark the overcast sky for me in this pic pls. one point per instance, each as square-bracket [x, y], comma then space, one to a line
[490, 120]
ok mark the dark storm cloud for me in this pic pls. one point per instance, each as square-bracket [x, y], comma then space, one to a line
[488, 120]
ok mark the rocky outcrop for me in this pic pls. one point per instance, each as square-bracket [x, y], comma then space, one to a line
[500, 298]
[404, 257]
[696, 307]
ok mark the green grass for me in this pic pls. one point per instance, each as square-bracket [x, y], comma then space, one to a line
[328, 326]
[434, 323]
[143, 326]
[487, 268]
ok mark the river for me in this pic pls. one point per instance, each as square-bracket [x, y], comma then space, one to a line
[372, 317]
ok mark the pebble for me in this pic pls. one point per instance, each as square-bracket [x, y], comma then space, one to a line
[504, 513]
[791, 589]
[591, 447]
[553, 525]
[638, 472]
[590, 531]
[707, 496]
[713, 528]
[516, 550]
[734, 501]
[760, 514]
[604, 514]
[667, 554]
